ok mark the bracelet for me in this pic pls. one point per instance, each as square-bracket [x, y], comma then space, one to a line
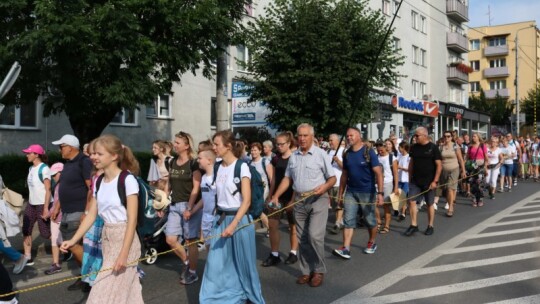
[85, 212]
[382, 193]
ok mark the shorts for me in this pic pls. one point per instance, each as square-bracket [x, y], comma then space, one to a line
[69, 224]
[506, 169]
[388, 189]
[333, 193]
[206, 227]
[415, 196]
[277, 216]
[176, 225]
[359, 200]
[32, 214]
[450, 179]
[56, 237]
[404, 186]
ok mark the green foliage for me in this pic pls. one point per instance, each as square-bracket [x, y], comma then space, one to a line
[253, 134]
[527, 105]
[309, 59]
[498, 109]
[90, 59]
[14, 168]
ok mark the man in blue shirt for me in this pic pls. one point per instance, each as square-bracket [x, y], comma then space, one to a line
[360, 169]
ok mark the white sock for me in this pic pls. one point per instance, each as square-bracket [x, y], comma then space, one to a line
[275, 253]
[192, 271]
[293, 252]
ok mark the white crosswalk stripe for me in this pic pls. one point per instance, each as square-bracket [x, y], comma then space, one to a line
[475, 276]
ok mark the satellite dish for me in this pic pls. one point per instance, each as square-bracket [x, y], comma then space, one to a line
[10, 79]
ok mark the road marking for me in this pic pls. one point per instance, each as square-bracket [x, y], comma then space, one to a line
[505, 232]
[523, 300]
[489, 246]
[522, 214]
[452, 288]
[366, 293]
[516, 222]
[472, 264]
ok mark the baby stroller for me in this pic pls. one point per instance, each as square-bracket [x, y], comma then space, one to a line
[476, 180]
[151, 233]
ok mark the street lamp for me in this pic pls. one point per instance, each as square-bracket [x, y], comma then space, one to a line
[516, 79]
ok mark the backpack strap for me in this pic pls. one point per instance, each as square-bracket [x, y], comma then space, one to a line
[121, 186]
[264, 169]
[167, 162]
[40, 172]
[237, 173]
[216, 168]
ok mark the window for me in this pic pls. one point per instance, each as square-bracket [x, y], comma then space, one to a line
[242, 57]
[497, 41]
[497, 63]
[213, 112]
[161, 108]
[415, 54]
[396, 44]
[497, 84]
[423, 24]
[126, 117]
[422, 57]
[414, 16]
[475, 86]
[22, 116]
[474, 45]
[423, 89]
[386, 7]
[395, 7]
[475, 65]
[415, 87]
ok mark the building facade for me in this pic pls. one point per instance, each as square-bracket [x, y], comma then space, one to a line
[504, 60]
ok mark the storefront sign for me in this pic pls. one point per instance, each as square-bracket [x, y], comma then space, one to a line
[245, 112]
[419, 107]
[452, 110]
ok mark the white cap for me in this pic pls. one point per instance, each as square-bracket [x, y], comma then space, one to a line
[67, 139]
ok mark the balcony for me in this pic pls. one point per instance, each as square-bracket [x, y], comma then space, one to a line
[490, 94]
[496, 50]
[457, 43]
[496, 72]
[456, 76]
[457, 10]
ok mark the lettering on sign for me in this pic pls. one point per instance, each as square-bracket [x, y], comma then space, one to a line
[419, 107]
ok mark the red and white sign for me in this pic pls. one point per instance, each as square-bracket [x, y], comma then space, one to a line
[431, 109]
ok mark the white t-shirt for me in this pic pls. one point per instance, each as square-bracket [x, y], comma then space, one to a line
[259, 166]
[512, 143]
[337, 169]
[403, 162]
[493, 156]
[225, 186]
[110, 207]
[36, 186]
[509, 151]
[208, 194]
[387, 168]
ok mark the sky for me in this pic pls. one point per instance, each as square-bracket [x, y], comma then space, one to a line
[503, 11]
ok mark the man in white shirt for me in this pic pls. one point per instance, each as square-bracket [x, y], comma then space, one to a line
[337, 164]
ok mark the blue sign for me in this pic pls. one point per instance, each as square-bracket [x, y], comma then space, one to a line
[243, 116]
[411, 105]
[240, 89]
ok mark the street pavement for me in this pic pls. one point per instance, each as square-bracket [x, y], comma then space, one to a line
[485, 254]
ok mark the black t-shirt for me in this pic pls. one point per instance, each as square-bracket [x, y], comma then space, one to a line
[181, 180]
[424, 157]
[280, 166]
[73, 190]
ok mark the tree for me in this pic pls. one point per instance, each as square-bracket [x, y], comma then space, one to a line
[309, 59]
[498, 109]
[90, 59]
[527, 104]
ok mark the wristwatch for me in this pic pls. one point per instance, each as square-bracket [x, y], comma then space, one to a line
[380, 193]
[188, 209]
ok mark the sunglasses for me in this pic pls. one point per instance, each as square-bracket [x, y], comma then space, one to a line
[448, 136]
[281, 144]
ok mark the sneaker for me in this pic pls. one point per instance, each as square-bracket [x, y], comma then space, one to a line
[371, 247]
[271, 261]
[435, 207]
[335, 229]
[480, 203]
[55, 268]
[491, 196]
[401, 218]
[446, 206]
[500, 190]
[30, 262]
[291, 259]
[515, 182]
[411, 230]
[86, 288]
[474, 204]
[67, 256]
[189, 278]
[200, 247]
[509, 189]
[429, 230]
[342, 253]
[20, 264]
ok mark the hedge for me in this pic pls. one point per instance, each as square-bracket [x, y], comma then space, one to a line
[14, 168]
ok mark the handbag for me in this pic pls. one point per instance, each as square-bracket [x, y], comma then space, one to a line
[14, 200]
[471, 164]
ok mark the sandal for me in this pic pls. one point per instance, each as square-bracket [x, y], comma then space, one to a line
[385, 230]
[450, 213]
[379, 227]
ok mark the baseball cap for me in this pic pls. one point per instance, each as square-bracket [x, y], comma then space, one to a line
[67, 139]
[35, 149]
[56, 167]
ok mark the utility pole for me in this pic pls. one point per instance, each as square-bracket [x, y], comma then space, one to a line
[222, 106]
[517, 85]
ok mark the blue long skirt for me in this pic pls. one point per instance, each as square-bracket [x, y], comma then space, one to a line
[230, 274]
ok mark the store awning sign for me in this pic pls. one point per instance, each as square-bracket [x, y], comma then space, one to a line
[419, 107]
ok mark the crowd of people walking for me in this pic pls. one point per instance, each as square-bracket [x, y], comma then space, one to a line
[88, 205]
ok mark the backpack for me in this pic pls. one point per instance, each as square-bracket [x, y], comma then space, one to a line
[40, 171]
[257, 187]
[264, 168]
[145, 196]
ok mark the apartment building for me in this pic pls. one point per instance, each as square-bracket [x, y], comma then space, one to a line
[504, 59]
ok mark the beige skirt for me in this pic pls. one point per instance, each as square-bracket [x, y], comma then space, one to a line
[117, 288]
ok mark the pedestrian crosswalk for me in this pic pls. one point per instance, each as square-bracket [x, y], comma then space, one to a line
[496, 261]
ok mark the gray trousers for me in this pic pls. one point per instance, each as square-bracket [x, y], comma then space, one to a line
[310, 217]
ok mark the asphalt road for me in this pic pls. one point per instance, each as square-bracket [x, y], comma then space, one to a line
[481, 255]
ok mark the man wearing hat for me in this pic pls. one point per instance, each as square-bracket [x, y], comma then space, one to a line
[74, 190]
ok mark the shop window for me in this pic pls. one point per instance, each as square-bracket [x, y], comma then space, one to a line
[19, 117]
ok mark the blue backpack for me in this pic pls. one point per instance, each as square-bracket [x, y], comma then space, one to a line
[257, 187]
[146, 196]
